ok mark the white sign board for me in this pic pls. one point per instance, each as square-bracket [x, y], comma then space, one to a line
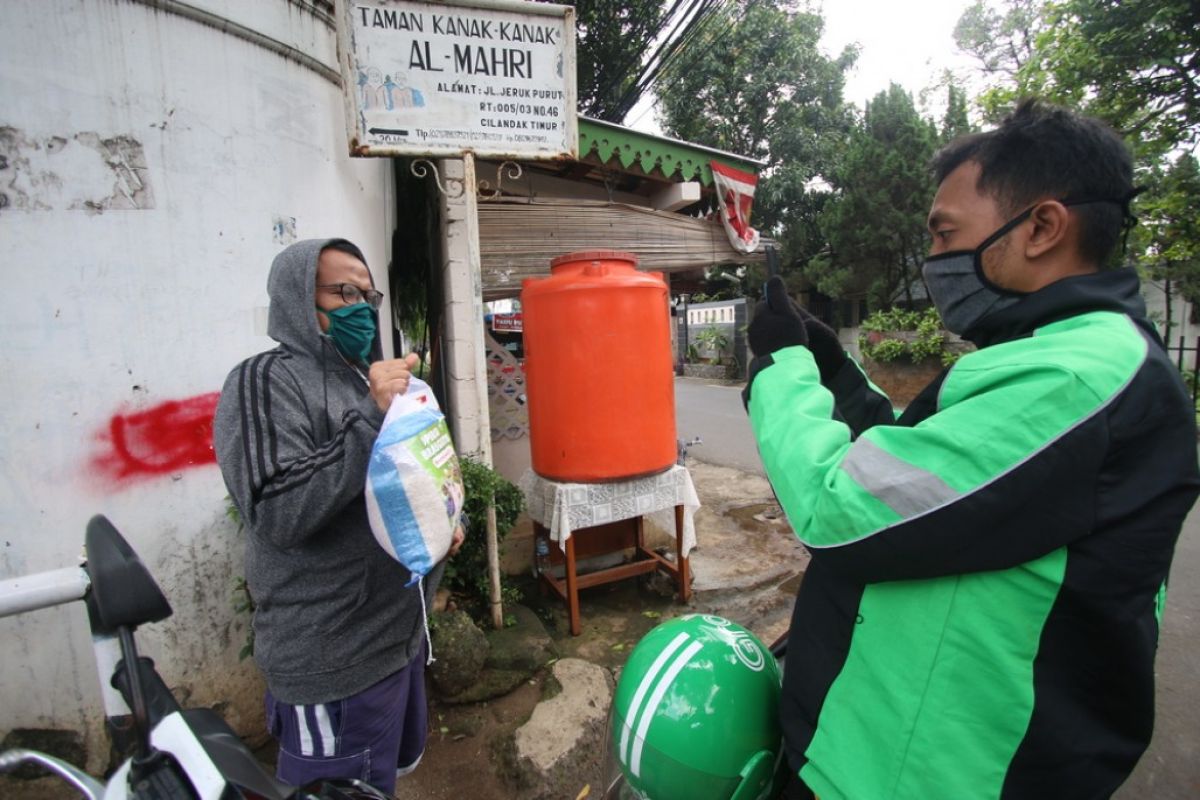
[495, 78]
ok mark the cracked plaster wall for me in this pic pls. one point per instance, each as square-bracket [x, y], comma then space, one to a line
[150, 167]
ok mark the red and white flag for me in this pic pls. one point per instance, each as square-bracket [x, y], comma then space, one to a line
[735, 194]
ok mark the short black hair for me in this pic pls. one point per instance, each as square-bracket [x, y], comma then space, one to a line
[1042, 152]
[345, 246]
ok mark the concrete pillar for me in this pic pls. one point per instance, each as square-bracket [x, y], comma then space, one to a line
[741, 345]
[462, 344]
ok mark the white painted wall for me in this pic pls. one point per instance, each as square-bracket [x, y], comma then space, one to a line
[118, 308]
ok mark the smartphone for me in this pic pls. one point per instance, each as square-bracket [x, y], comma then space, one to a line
[772, 265]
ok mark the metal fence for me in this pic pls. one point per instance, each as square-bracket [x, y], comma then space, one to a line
[1190, 374]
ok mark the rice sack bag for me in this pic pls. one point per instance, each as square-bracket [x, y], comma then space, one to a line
[414, 483]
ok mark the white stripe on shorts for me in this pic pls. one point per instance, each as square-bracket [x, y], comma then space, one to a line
[325, 728]
[306, 739]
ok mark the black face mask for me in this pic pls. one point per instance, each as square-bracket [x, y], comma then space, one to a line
[960, 289]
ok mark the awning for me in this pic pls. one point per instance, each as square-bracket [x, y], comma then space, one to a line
[519, 236]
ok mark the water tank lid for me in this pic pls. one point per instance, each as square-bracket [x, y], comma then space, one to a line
[594, 255]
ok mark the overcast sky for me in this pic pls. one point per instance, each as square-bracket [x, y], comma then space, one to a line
[906, 42]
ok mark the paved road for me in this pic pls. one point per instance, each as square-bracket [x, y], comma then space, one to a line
[1170, 770]
[714, 413]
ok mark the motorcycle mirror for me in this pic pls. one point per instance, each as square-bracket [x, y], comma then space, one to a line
[123, 591]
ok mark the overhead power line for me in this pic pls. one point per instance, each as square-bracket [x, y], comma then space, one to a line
[618, 77]
[676, 30]
[685, 32]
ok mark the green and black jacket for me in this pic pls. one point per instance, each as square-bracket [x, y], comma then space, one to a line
[981, 613]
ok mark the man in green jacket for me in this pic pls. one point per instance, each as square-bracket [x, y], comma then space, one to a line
[981, 613]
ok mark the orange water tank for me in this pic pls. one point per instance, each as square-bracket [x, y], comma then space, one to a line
[599, 376]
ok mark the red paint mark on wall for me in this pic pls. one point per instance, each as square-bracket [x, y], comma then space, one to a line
[165, 438]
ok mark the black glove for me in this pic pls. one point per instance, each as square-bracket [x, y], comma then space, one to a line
[777, 323]
[823, 342]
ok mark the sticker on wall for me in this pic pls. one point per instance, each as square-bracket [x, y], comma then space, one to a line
[164, 439]
[284, 229]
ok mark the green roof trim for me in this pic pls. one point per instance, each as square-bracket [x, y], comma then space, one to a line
[644, 152]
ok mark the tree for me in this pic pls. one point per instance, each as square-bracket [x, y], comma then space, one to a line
[612, 40]
[955, 123]
[875, 223]
[624, 48]
[1133, 63]
[1170, 222]
[756, 83]
[1001, 41]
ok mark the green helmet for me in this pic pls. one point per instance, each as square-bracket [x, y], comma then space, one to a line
[696, 713]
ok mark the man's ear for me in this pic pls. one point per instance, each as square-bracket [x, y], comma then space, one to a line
[1051, 226]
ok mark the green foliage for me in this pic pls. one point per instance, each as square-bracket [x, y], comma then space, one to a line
[1001, 40]
[955, 122]
[1189, 381]
[931, 339]
[1133, 63]
[875, 224]
[612, 39]
[1168, 239]
[722, 282]
[885, 350]
[243, 603]
[713, 339]
[232, 513]
[895, 319]
[759, 85]
[832, 276]
[467, 572]
[693, 354]
[926, 338]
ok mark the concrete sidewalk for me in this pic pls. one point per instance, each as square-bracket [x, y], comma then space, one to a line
[747, 563]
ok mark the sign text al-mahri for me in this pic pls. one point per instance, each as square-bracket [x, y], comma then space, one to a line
[439, 79]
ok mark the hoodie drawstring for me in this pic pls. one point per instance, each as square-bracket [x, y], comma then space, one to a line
[429, 659]
[325, 388]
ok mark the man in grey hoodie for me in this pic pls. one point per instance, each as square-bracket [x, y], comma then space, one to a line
[339, 638]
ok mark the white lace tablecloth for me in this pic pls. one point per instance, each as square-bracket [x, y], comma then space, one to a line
[566, 507]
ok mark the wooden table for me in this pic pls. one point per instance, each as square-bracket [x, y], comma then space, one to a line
[578, 521]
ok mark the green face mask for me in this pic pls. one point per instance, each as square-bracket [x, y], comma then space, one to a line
[352, 329]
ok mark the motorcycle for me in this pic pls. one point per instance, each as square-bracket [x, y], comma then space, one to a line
[173, 753]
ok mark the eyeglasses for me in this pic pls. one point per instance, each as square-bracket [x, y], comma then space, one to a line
[354, 295]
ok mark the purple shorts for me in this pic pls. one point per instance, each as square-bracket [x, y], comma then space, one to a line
[374, 736]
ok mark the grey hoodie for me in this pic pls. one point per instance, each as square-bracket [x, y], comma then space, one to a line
[293, 435]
